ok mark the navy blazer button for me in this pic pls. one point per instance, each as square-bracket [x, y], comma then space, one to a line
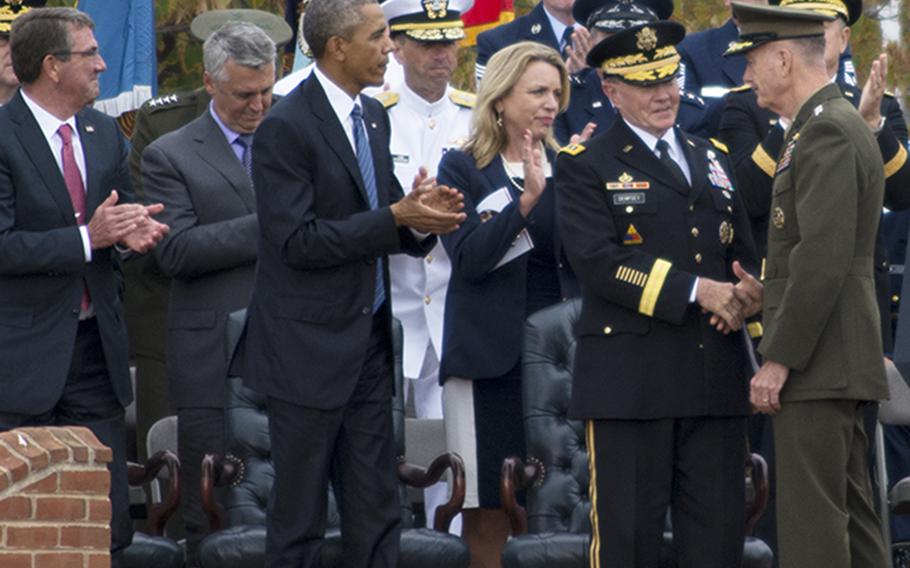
[370, 261]
[366, 311]
[75, 311]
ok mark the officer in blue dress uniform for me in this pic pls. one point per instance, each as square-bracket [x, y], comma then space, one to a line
[652, 223]
[549, 23]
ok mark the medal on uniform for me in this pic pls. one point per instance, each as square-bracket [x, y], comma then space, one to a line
[784, 161]
[626, 181]
[632, 236]
[778, 217]
[717, 176]
[726, 233]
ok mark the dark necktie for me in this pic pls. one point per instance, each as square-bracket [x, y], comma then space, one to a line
[246, 158]
[664, 149]
[368, 173]
[566, 41]
[73, 180]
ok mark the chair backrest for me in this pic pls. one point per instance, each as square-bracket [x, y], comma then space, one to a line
[559, 502]
[161, 436]
[247, 442]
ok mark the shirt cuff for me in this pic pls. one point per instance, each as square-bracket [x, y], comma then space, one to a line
[419, 235]
[694, 293]
[86, 243]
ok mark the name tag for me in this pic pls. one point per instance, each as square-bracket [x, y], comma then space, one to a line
[629, 199]
[401, 158]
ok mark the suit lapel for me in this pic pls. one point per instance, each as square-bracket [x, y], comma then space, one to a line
[698, 166]
[35, 144]
[633, 152]
[214, 149]
[332, 132]
[90, 151]
[539, 18]
[374, 126]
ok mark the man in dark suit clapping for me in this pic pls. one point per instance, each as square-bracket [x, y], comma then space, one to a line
[317, 340]
[64, 193]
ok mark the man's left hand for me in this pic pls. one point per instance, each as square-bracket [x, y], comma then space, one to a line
[870, 102]
[149, 232]
[578, 51]
[764, 391]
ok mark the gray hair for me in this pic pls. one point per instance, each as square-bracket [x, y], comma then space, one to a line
[242, 42]
[812, 49]
[41, 32]
[326, 18]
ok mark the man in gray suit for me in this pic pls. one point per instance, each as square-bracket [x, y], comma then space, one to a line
[201, 173]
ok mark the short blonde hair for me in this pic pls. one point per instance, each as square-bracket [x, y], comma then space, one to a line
[503, 71]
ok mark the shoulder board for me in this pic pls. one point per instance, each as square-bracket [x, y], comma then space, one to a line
[741, 88]
[572, 149]
[719, 145]
[463, 98]
[170, 101]
[387, 98]
[691, 98]
[889, 94]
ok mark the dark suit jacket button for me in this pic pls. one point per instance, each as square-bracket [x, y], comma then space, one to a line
[370, 261]
[75, 312]
[366, 311]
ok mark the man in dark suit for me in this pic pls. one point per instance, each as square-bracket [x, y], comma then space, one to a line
[822, 345]
[64, 188]
[317, 339]
[652, 224]
[550, 23]
[200, 173]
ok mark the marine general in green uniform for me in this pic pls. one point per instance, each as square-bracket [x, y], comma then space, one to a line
[822, 344]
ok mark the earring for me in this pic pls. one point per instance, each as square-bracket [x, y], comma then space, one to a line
[499, 119]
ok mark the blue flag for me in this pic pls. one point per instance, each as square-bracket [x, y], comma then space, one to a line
[125, 31]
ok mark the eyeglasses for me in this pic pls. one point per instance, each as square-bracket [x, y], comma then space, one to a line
[88, 53]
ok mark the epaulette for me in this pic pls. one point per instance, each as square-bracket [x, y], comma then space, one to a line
[692, 98]
[169, 101]
[387, 98]
[741, 88]
[463, 98]
[572, 149]
[719, 145]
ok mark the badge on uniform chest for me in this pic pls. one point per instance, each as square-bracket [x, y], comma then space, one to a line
[626, 181]
[717, 176]
[787, 155]
[637, 198]
[632, 236]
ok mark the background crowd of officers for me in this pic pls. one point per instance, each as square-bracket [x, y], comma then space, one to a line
[649, 251]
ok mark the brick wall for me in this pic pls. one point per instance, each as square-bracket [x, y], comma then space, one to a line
[54, 507]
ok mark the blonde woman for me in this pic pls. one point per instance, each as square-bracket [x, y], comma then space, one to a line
[504, 268]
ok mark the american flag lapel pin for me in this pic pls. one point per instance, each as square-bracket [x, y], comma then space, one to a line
[89, 128]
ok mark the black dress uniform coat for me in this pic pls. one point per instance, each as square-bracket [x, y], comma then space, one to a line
[755, 140]
[637, 241]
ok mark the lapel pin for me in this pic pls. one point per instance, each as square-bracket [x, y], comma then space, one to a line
[373, 125]
[627, 149]
[89, 128]
[535, 29]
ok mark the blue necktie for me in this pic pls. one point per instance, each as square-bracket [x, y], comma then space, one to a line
[368, 173]
[246, 158]
[565, 41]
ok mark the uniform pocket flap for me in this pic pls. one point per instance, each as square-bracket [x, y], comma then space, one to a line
[193, 319]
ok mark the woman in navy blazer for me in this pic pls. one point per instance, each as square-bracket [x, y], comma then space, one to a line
[504, 268]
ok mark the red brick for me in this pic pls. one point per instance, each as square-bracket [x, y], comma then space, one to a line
[16, 560]
[22, 445]
[15, 509]
[15, 467]
[44, 438]
[75, 444]
[99, 561]
[59, 509]
[60, 560]
[5, 479]
[37, 538]
[85, 537]
[47, 484]
[97, 482]
[103, 454]
[99, 510]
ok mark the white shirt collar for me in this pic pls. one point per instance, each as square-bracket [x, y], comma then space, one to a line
[651, 141]
[341, 102]
[48, 123]
[421, 105]
[558, 27]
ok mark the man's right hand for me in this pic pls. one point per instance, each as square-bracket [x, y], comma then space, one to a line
[429, 208]
[111, 222]
[719, 298]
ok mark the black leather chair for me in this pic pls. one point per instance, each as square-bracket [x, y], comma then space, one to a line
[153, 549]
[238, 537]
[554, 531]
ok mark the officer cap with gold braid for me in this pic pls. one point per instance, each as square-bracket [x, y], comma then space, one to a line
[849, 10]
[759, 25]
[613, 16]
[12, 9]
[642, 55]
[427, 20]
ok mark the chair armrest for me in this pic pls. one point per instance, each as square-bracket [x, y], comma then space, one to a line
[517, 475]
[139, 474]
[218, 471]
[759, 472]
[899, 497]
[421, 478]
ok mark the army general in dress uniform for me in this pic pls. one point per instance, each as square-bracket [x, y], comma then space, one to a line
[822, 346]
[652, 223]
